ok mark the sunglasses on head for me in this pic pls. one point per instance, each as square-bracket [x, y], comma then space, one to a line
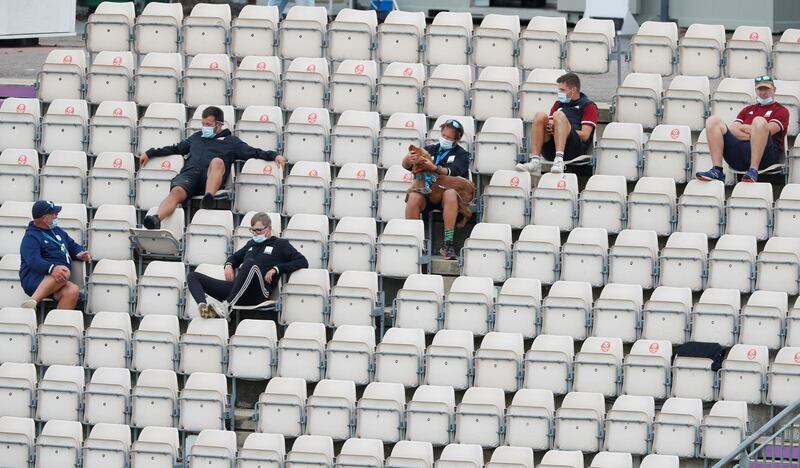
[761, 78]
[453, 123]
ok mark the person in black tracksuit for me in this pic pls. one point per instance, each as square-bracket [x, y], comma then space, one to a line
[260, 262]
[211, 152]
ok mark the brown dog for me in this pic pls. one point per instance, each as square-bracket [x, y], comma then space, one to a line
[465, 190]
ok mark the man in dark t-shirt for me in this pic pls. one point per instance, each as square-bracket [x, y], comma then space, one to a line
[753, 141]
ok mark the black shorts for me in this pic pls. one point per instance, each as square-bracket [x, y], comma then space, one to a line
[737, 153]
[572, 149]
[192, 180]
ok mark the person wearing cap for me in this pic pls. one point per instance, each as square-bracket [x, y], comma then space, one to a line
[566, 132]
[47, 252]
[448, 159]
[211, 153]
[260, 263]
[753, 141]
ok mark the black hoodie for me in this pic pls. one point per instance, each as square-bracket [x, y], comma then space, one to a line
[202, 150]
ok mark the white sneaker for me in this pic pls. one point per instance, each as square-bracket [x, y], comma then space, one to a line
[29, 304]
[534, 166]
[558, 165]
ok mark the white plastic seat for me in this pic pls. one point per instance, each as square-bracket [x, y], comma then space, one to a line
[487, 251]
[783, 59]
[675, 430]
[349, 354]
[633, 259]
[112, 286]
[700, 208]
[548, 364]
[156, 447]
[446, 90]
[207, 79]
[494, 93]
[18, 436]
[162, 124]
[203, 402]
[786, 212]
[494, 43]
[762, 319]
[541, 44]
[458, 455]
[18, 382]
[401, 130]
[206, 29]
[256, 81]
[732, 263]
[749, 210]
[566, 309]
[517, 306]
[498, 362]
[469, 305]
[330, 409]
[651, 205]
[18, 331]
[748, 51]
[208, 237]
[666, 315]
[448, 359]
[19, 123]
[497, 145]
[775, 264]
[302, 32]
[684, 260]
[212, 447]
[311, 450]
[686, 101]
[64, 126]
[358, 451]
[253, 31]
[301, 351]
[400, 88]
[619, 150]
[106, 396]
[157, 28]
[110, 77]
[638, 99]
[693, 377]
[62, 75]
[60, 393]
[353, 191]
[743, 373]
[660, 461]
[379, 401]
[617, 311]
[539, 90]
[628, 424]
[308, 233]
[203, 347]
[14, 218]
[700, 50]
[399, 248]
[789, 97]
[391, 193]
[307, 189]
[584, 256]
[107, 341]
[603, 203]
[715, 316]
[160, 289]
[258, 187]
[598, 366]
[305, 84]
[521, 457]
[352, 35]
[155, 342]
[400, 37]
[653, 48]
[109, 27]
[589, 45]
[418, 303]
[252, 350]
[647, 368]
[782, 377]
[154, 399]
[305, 297]
[59, 338]
[429, 414]
[723, 428]
[555, 201]
[562, 458]
[399, 356]
[354, 138]
[159, 78]
[281, 407]
[59, 444]
[448, 27]
[612, 460]
[579, 422]
[730, 96]
[109, 232]
[352, 86]
[667, 152]
[505, 199]
[529, 419]
[63, 177]
[20, 175]
[111, 180]
[262, 450]
[355, 299]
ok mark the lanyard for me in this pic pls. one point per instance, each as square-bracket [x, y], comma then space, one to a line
[60, 244]
[440, 157]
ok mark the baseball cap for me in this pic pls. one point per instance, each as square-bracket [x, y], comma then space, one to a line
[43, 207]
[764, 81]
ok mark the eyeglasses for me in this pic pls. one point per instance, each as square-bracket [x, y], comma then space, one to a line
[761, 78]
[453, 123]
[257, 230]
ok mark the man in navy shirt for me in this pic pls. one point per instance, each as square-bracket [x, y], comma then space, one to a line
[47, 252]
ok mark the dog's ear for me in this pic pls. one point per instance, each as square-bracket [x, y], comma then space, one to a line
[412, 148]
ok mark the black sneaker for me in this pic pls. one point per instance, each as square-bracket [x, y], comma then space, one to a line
[448, 252]
[152, 222]
[208, 201]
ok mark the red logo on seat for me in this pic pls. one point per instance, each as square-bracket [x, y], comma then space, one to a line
[798, 39]
[409, 124]
[653, 348]
[213, 65]
[67, 59]
[117, 112]
[21, 107]
[752, 354]
[117, 60]
[268, 169]
[166, 165]
[675, 133]
[69, 110]
[313, 173]
[312, 118]
[753, 36]
[361, 174]
[407, 177]
[22, 159]
[514, 182]
[605, 346]
[561, 184]
[408, 72]
[264, 118]
[359, 69]
[261, 66]
[797, 357]
[117, 163]
[311, 68]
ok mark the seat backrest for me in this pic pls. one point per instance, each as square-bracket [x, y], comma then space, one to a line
[167, 110]
[220, 218]
[554, 343]
[552, 180]
[261, 63]
[762, 34]
[406, 336]
[536, 233]
[308, 13]
[365, 68]
[77, 58]
[757, 190]
[355, 333]
[714, 32]
[657, 28]
[287, 386]
[266, 442]
[436, 394]
[625, 292]
[62, 373]
[311, 116]
[700, 188]
[211, 10]
[514, 126]
[211, 62]
[108, 58]
[589, 236]
[446, 71]
[504, 341]
[307, 331]
[366, 17]
[210, 327]
[20, 157]
[605, 28]
[474, 284]
[678, 133]
[652, 81]
[554, 24]
[454, 338]
[688, 406]
[207, 381]
[21, 106]
[406, 227]
[77, 107]
[450, 18]
[729, 297]
[359, 171]
[638, 238]
[112, 320]
[585, 400]
[736, 85]
[660, 185]
[737, 242]
[412, 18]
[355, 224]
[659, 348]
[691, 83]
[508, 75]
[466, 453]
[602, 345]
[125, 109]
[642, 404]
[492, 231]
[354, 118]
[408, 121]
[612, 460]
[359, 279]
[414, 71]
[575, 289]
[563, 458]
[505, 22]
[309, 65]
[313, 443]
[309, 222]
[522, 287]
[112, 376]
[171, 60]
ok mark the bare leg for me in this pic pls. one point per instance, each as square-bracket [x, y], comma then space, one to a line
[68, 296]
[539, 133]
[759, 135]
[216, 171]
[47, 288]
[449, 208]
[561, 129]
[715, 129]
[414, 205]
[176, 196]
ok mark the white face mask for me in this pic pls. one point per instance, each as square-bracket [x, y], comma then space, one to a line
[765, 101]
[445, 144]
[562, 97]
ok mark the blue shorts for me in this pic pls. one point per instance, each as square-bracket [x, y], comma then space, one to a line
[737, 153]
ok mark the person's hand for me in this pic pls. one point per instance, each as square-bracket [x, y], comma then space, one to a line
[270, 275]
[228, 273]
[429, 166]
[143, 158]
[84, 256]
[549, 127]
[60, 273]
[280, 160]
[411, 158]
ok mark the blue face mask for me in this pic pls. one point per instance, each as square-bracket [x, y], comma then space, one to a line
[259, 238]
[445, 144]
[208, 132]
[53, 223]
[765, 101]
[562, 97]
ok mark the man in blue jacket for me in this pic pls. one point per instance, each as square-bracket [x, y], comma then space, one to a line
[211, 152]
[47, 252]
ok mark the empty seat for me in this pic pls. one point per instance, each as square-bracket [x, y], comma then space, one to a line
[447, 90]
[160, 289]
[723, 428]
[59, 444]
[449, 27]
[62, 76]
[700, 208]
[399, 356]
[775, 265]
[518, 456]
[256, 81]
[111, 180]
[749, 210]
[204, 402]
[786, 212]
[253, 31]
[612, 460]
[429, 414]
[252, 350]
[667, 152]
[59, 339]
[14, 218]
[418, 304]
[18, 382]
[494, 93]
[356, 452]
[589, 45]
[469, 304]
[730, 96]
[391, 193]
[619, 150]
[651, 205]
[633, 259]
[494, 43]
[401, 130]
[18, 435]
[598, 366]
[666, 315]
[617, 311]
[63, 177]
[638, 99]
[311, 450]
[203, 346]
[487, 251]
[460, 455]
[562, 458]
[301, 351]
[684, 260]
[675, 430]
[349, 354]
[162, 124]
[743, 373]
[381, 399]
[693, 377]
[629, 423]
[747, 53]
[715, 316]
[566, 309]
[112, 286]
[329, 411]
[212, 446]
[307, 188]
[505, 199]
[782, 377]
[660, 461]
[579, 421]
[539, 91]
[354, 138]
[732, 263]
[208, 237]
[400, 37]
[308, 233]
[603, 203]
[154, 399]
[647, 369]
[497, 145]
[584, 256]
[352, 86]
[262, 448]
[280, 408]
[60, 393]
[448, 360]
[529, 419]
[107, 341]
[156, 447]
[159, 78]
[700, 50]
[498, 362]
[400, 88]
[762, 318]
[19, 123]
[157, 28]
[205, 30]
[110, 77]
[302, 32]
[106, 396]
[784, 60]
[355, 299]
[353, 191]
[18, 331]
[686, 101]
[517, 306]
[555, 201]
[64, 126]
[548, 364]
[109, 28]
[541, 44]
[352, 35]
[258, 187]
[653, 48]
[207, 79]
[400, 248]
[109, 232]
[305, 84]
[305, 297]
[20, 175]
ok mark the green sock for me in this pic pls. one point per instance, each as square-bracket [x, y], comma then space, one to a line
[448, 236]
